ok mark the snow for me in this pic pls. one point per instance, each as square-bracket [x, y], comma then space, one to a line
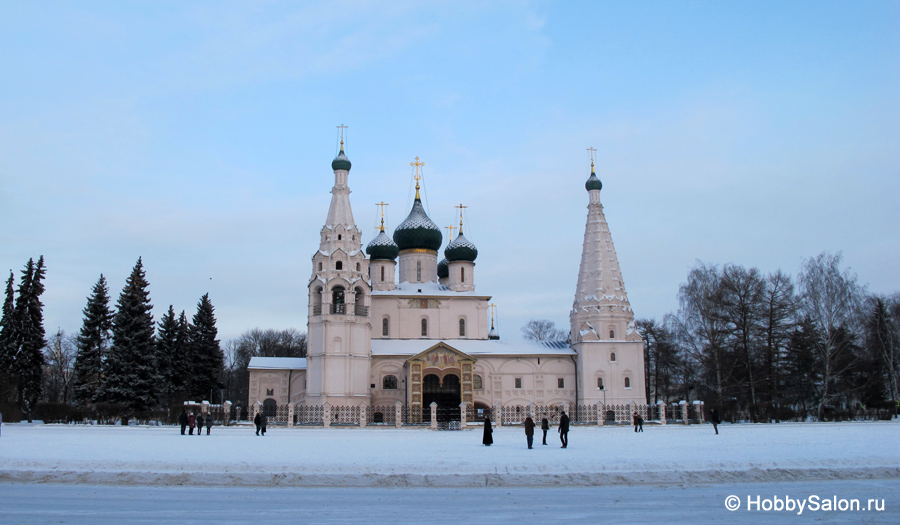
[389, 457]
[277, 363]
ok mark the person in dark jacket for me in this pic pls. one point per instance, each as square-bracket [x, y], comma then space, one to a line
[199, 424]
[545, 426]
[638, 423]
[564, 430]
[256, 421]
[262, 423]
[529, 431]
[183, 420]
[488, 438]
[208, 424]
[714, 419]
[192, 422]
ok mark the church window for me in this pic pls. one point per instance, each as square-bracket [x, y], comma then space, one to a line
[270, 391]
[462, 275]
[462, 327]
[627, 382]
[337, 300]
[518, 381]
[600, 383]
[612, 334]
[612, 356]
[382, 273]
[389, 383]
[419, 271]
[317, 301]
[424, 327]
[339, 236]
[320, 266]
[560, 382]
[477, 382]
[385, 327]
[357, 267]
[339, 265]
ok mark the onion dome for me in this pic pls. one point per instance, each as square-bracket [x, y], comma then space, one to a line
[443, 269]
[382, 248]
[593, 182]
[493, 334]
[460, 249]
[417, 231]
[341, 162]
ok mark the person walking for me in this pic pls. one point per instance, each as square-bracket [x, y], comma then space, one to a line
[714, 419]
[208, 424]
[192, 422]
[529, 431]
[183, 420]
[199, 424]
[488, 438]
[545, 426]
[256, 421]
[564, 430]
[262, 423]
[638, 422]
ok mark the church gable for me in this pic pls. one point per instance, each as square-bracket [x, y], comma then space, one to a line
[442, 356]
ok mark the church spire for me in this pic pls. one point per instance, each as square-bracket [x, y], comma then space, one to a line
[600, 297]
[340, 215]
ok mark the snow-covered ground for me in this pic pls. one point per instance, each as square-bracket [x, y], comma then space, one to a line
[387, 457]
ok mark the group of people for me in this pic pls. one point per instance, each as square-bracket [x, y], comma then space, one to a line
[488, 438]
[260, 421]
[193, 421]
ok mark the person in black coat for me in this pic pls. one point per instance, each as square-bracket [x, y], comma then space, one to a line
[714, 419]
[488, 438]
[545, 426]
[199, 424]
[256, 421]
[208, 424]
[262, 423]
[529, 431]
[564, 430]
[183, 420]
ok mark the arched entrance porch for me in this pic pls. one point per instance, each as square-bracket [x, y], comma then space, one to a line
[446, 391]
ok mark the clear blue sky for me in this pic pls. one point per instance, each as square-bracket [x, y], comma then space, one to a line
[199, 136]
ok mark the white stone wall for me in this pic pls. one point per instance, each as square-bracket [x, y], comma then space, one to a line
[405, 313]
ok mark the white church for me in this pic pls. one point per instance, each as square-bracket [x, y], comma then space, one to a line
[402, 321]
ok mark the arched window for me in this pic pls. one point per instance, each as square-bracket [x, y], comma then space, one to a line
[320, 266]
[337, 300]
[317, 301]
[477, 383]
[419, 271]
[339, 236]
[385, 327]
[612, 334]
[424, 327]
[339, 265]
[627, 382]
[359, 305]
[600, 383]
[612, 356]
[357, 267]
[382, 273]
[462, 275]
[462, 327]
[270, 407]
[389, 383]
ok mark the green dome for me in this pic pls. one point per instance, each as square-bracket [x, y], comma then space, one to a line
[443, 269]
[593, 183]
[460, 249]
[341, 162]
[382, 248]
[417, 231]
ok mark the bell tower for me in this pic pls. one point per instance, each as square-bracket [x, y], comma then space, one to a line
[339, 353]
[610, 353]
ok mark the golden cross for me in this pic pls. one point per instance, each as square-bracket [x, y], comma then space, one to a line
[460, 208]
[592, 150]
[451, 228]
[381, 204]
[493, 307]
[417, 164]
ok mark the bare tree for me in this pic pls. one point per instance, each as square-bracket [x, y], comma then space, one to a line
[741, 296]
[60, 355]
[779, 320]
[543, 330]
[831, 299]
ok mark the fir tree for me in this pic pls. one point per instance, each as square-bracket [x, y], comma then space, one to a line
[8, 378]
[93, 343]
[183, 361]
[130, 370]
[28, 319]
[168, 352]
[208, 360]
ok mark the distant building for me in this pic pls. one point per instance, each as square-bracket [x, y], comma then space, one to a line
[393, 323]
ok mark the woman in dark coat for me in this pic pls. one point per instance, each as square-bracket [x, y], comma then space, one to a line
[199, 424]
[257, 423]
[545, 426]
[714, 419]
[529, 431]
[192, 421]
[262, 423]
[488, 438]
